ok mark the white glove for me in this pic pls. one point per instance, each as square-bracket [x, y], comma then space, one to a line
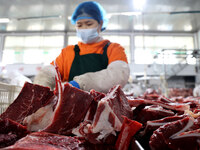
[117, 72]
[196, 91]
[46, 77]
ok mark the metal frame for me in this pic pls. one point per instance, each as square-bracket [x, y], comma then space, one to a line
[184, 56]
[2, 41]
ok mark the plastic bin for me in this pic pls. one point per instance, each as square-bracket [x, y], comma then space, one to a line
[8, 93]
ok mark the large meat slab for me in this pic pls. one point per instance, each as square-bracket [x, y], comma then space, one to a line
[70, 110]
[46, 141]
[30, 99]
[10, 132]
[107, 119]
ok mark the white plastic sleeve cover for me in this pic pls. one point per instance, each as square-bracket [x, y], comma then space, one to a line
[116, 73]
[46, 77]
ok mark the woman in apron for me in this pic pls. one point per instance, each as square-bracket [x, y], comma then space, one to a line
[94, 62]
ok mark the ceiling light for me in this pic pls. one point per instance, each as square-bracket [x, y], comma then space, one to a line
[35, 27]
[141, 27]
[164, 27]
[4, 20]
[139, 4]
[187, 27]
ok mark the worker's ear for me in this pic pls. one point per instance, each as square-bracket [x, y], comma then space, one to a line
[100, 26]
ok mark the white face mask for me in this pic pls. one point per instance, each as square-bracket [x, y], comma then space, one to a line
[88, 35]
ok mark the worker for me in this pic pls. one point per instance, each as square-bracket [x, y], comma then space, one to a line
[94, 63]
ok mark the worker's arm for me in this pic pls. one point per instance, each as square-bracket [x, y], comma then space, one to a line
[117, 72]
[46, 77]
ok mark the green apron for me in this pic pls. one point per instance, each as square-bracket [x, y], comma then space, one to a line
[88, 63]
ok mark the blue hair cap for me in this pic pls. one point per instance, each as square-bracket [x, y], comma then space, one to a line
[90, 10]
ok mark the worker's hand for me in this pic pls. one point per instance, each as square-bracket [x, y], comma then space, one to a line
[74, 84]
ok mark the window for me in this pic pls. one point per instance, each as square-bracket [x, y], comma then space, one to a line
[31, 49]
[123, 40]
[149, 49]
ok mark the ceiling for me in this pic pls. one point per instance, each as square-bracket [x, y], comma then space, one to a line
[54, 15]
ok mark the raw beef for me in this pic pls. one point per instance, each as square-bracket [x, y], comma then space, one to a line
[107, 119]
[153, 125]
[192, 101]
[172, 105]
[184, 92]
[70, 110]
[162, 137]
[50, 141]
[186, 141]
[171, 128]
[99, 121]
[30, 99]
[10, 132]
[128, 130]
[71, 107]
[97, 96]
[144, 136]
[43, 117]
[151, 112]
[46, 141]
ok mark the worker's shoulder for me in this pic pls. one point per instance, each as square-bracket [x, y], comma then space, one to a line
[113, 46]
[69, 48]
